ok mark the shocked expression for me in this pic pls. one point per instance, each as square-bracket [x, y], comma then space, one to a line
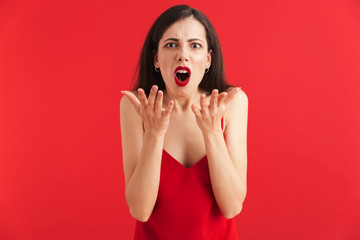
[183, 55]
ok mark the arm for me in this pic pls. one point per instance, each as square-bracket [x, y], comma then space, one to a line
[142, 150]
[227, 157]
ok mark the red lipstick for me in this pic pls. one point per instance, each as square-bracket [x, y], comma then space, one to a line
[181, 82]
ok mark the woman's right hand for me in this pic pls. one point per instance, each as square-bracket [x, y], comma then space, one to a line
[155, 117]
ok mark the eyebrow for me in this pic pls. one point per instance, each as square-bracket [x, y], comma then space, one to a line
[177, 40]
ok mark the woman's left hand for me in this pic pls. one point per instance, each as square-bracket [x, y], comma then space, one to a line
[208, 116]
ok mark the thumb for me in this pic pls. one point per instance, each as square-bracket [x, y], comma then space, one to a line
[195, 110]
[133, 99]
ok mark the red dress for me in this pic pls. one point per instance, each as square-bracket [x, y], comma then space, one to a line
[185, 208]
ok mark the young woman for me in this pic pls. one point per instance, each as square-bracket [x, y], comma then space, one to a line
[184, 133]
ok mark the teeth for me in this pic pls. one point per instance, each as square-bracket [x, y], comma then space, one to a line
[182, 71]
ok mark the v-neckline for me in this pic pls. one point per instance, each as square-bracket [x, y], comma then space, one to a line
[201, 159]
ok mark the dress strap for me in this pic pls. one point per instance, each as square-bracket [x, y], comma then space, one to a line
[222, 123]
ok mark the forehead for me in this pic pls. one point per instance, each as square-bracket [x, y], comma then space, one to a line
[185, 29]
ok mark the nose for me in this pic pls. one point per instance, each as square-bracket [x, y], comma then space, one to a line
[183, 55]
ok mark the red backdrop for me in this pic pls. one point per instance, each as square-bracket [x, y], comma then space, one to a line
[63, 64]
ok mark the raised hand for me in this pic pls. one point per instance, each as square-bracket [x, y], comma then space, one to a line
[208, 116]
[154, 116]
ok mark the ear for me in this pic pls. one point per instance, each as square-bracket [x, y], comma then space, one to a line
[156, 62]
[209, 58]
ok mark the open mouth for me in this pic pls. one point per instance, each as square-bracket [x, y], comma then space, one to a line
[182, 76]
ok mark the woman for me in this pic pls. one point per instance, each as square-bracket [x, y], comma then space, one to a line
[184, 134]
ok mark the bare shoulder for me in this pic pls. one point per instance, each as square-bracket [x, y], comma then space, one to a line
[240, 96]
[125, 102]
[238, 105]
[128, 115]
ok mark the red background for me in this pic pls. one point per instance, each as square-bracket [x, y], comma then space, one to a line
[63, 64]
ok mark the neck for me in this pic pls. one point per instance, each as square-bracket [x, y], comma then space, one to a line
[182, 104]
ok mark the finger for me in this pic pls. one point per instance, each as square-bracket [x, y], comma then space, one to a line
[231, 95]
[152, 96]
[213, 99]
[142, 97]
[158, 103]
[168, 109]
[195, 110]
[133, 99]
[222, 97]
[203, 103]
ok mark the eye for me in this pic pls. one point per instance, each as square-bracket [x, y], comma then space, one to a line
[170, 45]
[196, 45]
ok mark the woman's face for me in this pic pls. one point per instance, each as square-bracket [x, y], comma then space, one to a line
[183, 44]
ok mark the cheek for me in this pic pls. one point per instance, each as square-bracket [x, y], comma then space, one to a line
[201, 60]
[166, 62]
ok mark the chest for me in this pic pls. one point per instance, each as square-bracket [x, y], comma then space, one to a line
[184, 141]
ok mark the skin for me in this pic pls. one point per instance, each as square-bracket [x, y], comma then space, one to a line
[186, 123]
